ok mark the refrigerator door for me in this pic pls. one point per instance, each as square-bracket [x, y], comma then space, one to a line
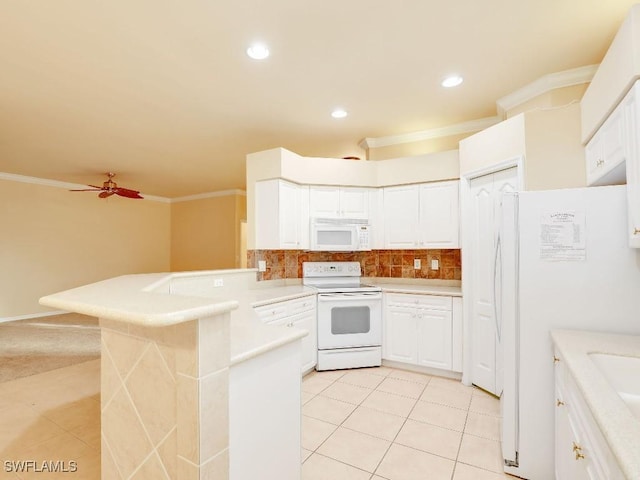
[507, 325]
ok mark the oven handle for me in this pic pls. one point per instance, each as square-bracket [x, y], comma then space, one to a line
[348, 297]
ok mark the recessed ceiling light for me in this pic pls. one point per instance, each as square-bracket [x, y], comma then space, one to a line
[452, 81]
[338, 113]
[258, 51]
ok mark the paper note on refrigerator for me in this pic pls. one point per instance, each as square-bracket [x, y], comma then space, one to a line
[562, 236]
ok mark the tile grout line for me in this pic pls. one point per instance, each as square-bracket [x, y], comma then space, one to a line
[400, 429]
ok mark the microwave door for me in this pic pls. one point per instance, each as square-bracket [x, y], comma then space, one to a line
[334, 238]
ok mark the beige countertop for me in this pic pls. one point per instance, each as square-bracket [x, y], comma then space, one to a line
[157, 300]
[146, 300]
[619, 426]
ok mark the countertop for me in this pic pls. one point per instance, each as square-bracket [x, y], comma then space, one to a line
[147, 300]
[619, 426]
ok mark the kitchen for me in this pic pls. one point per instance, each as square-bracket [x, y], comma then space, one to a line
[447, 265]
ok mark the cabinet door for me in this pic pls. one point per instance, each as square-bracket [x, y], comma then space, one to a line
[434, 339]
[401, 216]
[309, 351]
[354, 202]
[439, 207]
[290, 216]
[324, 202]
[605, 153]
[399, 342]
[632, 145]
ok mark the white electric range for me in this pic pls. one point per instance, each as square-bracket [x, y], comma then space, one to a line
[349, 315]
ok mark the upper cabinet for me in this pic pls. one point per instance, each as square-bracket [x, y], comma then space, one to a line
[605, 153]
[631, 107]
[421, 216]
[282, 215]
[338, 202]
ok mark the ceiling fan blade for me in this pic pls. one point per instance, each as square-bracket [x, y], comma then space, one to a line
[86, 190]
[125, 192]
[105, 194]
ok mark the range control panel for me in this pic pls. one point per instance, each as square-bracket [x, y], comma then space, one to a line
[331, 269]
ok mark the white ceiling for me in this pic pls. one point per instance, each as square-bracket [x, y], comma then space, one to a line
[163, 94]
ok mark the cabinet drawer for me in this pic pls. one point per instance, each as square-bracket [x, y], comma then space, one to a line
[301, 305]
[433, 302]
[272, 312]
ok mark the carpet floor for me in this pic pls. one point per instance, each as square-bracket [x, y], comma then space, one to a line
[28, 347]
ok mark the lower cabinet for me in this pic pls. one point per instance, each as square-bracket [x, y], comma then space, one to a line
[581, 451]
[419, 330]
[298, 313]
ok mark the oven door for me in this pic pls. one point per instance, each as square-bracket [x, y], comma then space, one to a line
[348, 320]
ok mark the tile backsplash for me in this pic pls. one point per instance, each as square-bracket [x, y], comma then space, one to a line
[375, 263]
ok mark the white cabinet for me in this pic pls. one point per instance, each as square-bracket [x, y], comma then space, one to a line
[580, 448]
[338, 202]
[630, 107]
[282, 215]
[422, 216]
[298, 313]
[419, 330]
[605, 153]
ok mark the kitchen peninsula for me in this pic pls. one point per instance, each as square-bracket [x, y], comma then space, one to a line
[172, 360]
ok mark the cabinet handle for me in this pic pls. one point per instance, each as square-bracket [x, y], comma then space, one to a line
[579, 456]
[576, 447]
[636, 231]
[556, 359]
[559, 403]
[599, 163]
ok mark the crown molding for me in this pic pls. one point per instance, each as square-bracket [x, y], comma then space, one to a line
[200, 196]
[457, 129]
[567, 78]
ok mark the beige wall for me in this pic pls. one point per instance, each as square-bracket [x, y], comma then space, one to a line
[53, 240]
[496, 144]
[555, 155]
[205, 233]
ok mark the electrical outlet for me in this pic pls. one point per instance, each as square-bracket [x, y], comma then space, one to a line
[417, 263]
[435, 264]
[262, 265]
[218, 282]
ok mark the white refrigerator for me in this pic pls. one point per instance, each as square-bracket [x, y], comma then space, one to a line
[565, 263]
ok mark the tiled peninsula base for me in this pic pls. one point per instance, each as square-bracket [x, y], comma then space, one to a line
[164, 400]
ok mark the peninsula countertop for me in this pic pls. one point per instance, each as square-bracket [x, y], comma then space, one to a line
[619, 426]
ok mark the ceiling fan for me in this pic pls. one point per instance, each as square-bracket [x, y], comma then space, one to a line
[109, 188]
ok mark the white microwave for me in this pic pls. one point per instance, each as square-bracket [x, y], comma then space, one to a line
[340, 235]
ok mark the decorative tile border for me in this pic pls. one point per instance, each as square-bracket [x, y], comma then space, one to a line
[376, 263]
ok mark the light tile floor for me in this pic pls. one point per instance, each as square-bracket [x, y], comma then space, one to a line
[370, 424]
[383, 423]
[52, 417]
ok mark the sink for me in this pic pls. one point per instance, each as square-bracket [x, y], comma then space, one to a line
[623, 374]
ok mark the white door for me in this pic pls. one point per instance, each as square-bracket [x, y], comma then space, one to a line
[354, 202]
[401, 216]
[309, 350]
[486, 192]
[400, 342]
[439, 215]
[324, 202]
[434, 339]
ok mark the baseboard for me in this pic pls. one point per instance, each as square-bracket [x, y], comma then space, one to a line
[32, 315]
[420, 369]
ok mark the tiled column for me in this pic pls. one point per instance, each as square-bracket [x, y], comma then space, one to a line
[165, 400]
